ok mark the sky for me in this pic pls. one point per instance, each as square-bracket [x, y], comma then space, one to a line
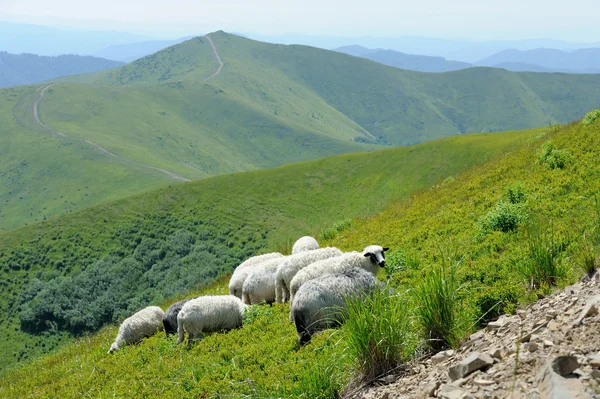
[575, 20]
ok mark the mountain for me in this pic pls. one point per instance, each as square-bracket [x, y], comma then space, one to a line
[180, 115]
[25, 69]
[19, 38]
[585, 60]
[146, 248]
[133, 51]
[405, 61]
[464, 50]
[482, 242]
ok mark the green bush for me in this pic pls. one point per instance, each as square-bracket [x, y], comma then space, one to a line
[553, 158]
[332, 232]
[591, 117]
[506, 216]
[515, 193]
[378, 334]
[399, 259]
[440, 310]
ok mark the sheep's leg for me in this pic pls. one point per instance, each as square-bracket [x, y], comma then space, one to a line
[278, 292]
[246, 298]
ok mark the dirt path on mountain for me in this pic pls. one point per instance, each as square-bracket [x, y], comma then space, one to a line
[54, 132]
[212, 44]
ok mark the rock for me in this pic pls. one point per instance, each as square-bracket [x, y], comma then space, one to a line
[533, 347]
[548, 343]
[594, 360]
[495, 352]
[483, 383]
[565, 365]
[595, 374]
[553, 326]
[475, 361]
[439, 357]
[447, 391]
[589, 310]
[555, 386]
[534, 338]
[476, 336]
[428, 389]
[495, 325]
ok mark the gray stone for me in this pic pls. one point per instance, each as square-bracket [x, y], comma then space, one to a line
[428, 389]
[439, 357]
[553, 326]
[589, 310]
[533, 347]
[483, 383]
[594, 360]
[595, 374]
[565, 365]
[475, 361]
[447, 391]
[495, 352]
[495, 325]
[555, 386]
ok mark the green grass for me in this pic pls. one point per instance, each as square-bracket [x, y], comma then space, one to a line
[226, 219]
[263, 358]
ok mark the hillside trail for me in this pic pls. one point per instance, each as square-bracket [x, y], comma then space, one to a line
[42, 90]
[214, 48]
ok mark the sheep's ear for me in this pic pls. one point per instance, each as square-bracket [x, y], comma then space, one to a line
[367, 254]
[385, 249]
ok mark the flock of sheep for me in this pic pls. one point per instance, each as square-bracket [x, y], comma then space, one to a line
[317, 281]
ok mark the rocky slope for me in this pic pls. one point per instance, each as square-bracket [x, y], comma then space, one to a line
[551, 349]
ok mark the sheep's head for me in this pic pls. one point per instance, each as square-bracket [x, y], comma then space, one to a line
[376, 254]
[113, 347]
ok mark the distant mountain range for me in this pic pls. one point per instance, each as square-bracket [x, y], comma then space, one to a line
[25, 69]
[397, 59]
[585, 60]
[132, 51]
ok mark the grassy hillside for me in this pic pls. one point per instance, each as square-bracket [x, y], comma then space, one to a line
[552, 183]
[72, 274]
[270, 105]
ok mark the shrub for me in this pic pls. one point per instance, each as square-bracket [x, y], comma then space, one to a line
[591, 117]
[378, 333]
[506, 216]
[440, 310]
[399, 259]
[332, 232]
[515, 194]
[586, 255]
[553, 158]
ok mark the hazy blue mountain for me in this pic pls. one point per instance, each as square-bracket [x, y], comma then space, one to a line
[24, 38]
[22, 69]
[585, 60]
[411, 62]
[133, 51]
[460, 50]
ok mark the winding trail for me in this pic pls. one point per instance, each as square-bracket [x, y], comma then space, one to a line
[212, 44]
[54, 132]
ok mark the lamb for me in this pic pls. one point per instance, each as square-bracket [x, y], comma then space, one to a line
[170, 318]
[241, 272]
[321, 303]
[144, 323]
[209, 313]
[288, 269]
[306, 243]
[260, 283]
[372, 259]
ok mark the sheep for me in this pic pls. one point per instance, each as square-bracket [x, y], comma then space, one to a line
[241, 272]
[372, 259]
[288, 269]
[144, 323]
[321, 303]
[259, 286]
[209, 313]
[170, 318]
[306, 243]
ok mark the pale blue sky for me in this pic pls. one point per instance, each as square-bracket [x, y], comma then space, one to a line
[476, 19]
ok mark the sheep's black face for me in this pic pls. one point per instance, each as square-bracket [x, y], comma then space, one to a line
[377, 258]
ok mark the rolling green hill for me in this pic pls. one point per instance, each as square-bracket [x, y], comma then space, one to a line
[551, 183]
[169, 117]
[72, 274]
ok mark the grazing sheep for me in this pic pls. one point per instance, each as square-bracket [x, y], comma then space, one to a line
[306, 243]
[241, 272]
[170, 319]
[288, 269]
[372, 259]
[209, 313]
[321, 303]
[144, 323]
[260, 283]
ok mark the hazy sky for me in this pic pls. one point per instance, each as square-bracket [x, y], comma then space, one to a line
[476, 19]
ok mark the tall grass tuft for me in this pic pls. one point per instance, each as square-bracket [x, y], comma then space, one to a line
[440, 310]
[378, 334]
[542, 266]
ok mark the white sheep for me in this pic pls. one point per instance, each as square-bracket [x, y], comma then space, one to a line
[259, 286]
[241, 272]
[306, 243]
[294, 263]
[321, 303]
[209, 313]
[142, 324]
[372, 259]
